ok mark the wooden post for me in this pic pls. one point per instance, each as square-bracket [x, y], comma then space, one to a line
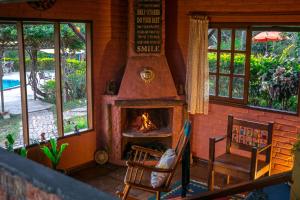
[295, 192]
[23, 82]
[185, 179]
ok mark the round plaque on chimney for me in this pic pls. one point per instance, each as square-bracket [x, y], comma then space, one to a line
[147, 74]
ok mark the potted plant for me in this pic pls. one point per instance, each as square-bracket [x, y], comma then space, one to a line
[9, 145]
[295, 192]
[54, 153]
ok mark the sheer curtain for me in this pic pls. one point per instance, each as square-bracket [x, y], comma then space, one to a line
[197, 75]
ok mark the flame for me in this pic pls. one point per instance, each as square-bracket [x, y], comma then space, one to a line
[147, 124]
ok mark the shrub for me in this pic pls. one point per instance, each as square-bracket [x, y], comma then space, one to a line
[49, 89]
[267, 87]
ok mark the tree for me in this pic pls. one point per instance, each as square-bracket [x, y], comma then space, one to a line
[8, 37]
[72, 40]
[37, 37]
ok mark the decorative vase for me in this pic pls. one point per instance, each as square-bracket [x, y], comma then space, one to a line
[295, 190]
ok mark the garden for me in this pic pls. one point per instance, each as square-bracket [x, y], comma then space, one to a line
[274, 72]
[41, 80]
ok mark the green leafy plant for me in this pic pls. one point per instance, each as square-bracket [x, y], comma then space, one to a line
[53, 153]
[23, 152]
[9, 143]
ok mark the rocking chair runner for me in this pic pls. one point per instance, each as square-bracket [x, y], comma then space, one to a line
[250, 136]
[135, 178]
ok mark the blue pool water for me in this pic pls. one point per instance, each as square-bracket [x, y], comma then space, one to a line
[7, 84]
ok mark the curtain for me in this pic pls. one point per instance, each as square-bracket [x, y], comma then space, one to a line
[197, 75]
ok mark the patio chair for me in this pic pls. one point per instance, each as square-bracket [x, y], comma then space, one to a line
[253, 137]
[135, 176]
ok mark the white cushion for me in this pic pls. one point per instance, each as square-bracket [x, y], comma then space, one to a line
[165, 162]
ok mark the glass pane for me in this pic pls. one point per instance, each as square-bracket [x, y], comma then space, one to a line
[274, 66]
[239, 63]
[224, 86]
[212, 61]
[40, 72]
[10, 93]
[238, 88]
[73, 61]
[225, 60]
[226, 39]
[240, 40]
[212, 38]
[212, 85]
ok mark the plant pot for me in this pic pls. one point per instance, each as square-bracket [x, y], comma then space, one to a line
[61, 171]
[5, 115]
[295, 191]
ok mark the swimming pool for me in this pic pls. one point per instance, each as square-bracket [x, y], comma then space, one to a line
[8, 84]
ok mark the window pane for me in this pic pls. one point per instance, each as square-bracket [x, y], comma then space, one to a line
[73, 56]
[225, 60]
[40, 73]
[212, 85]
[274, 68]
[212, 61]
[238, 88]
[224, 86]
[226, 39]
[212, 38]
[10, 100]
[239, 63]
[240, 40]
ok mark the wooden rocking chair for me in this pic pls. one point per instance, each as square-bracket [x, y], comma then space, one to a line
[135, 176]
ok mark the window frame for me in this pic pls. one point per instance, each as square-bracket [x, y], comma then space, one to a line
[57, 60]
[249, 27]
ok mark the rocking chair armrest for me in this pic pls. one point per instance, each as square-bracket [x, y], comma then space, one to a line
[147, 167]
[147, 150]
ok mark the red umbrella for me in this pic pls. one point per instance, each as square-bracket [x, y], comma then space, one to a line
[268, 36]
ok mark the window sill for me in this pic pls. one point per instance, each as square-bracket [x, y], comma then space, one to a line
[59, 138]
[262, 109]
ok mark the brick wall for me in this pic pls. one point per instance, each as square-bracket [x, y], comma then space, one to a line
[177, 22]
[22, 179]
[14, 187]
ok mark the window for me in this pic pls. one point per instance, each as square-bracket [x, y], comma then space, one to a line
[256, 66]
[227, 56]
[45, 80]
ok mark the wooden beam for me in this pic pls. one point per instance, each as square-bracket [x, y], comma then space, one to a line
[58, 76]
[23, 82]
[149, 102]
[246, 186]
[89, 76]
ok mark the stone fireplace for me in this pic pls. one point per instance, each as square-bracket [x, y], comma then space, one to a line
[147, 110]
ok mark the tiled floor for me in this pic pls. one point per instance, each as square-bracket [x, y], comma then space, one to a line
[109, 178]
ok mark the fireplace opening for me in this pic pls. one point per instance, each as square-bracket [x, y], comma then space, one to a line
[147, 120]
[161, 146]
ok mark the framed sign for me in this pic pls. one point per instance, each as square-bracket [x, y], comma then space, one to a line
[148, 26]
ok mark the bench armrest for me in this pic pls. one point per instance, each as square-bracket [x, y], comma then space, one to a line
[218, 138]
[259, 150]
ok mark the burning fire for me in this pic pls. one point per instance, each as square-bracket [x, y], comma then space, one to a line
[146, 123]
